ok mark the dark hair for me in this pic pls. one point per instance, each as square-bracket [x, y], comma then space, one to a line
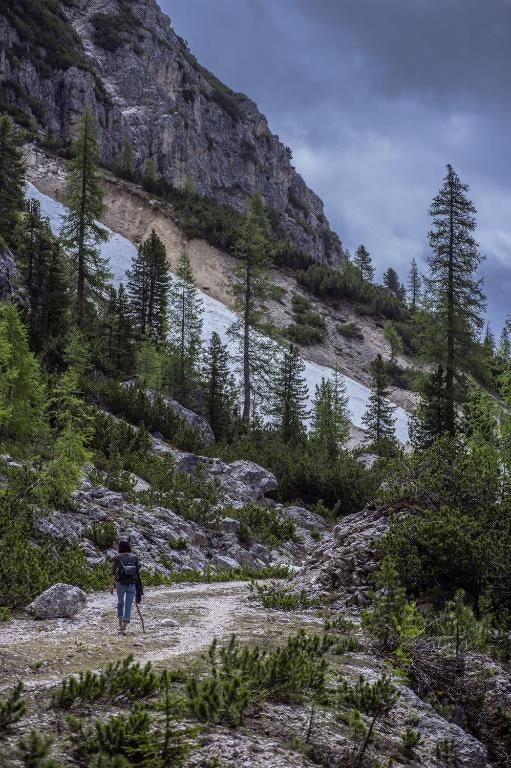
[124, 546]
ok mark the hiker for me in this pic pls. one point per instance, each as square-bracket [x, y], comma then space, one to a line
[127, 582]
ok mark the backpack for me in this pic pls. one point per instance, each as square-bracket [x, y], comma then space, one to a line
[128, 572]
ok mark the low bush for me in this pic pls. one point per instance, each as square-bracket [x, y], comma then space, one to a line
[261, 525]
[103, 535]
[12, 708]
[305, 335]
[350, 331]
[280, 598]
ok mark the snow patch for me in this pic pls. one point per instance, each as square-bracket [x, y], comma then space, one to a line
[119, 251]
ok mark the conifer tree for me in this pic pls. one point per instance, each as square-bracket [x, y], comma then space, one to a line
[391, 282]
[81, 231]
[455, 299]
[289, 396]
[124, 162]
[119, 333]
[148, 289]
[12, 179]
[489, 342]
[330, 428]
[364, 264]
[504, 348]
[44, 269]
[219, 391]
[395, 341]
[185, 312]
[22, 397]
[250, 289]
[414, 287]
[430, 419]
[379, 418]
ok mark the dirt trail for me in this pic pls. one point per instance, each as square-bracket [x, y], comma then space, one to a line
[180, 623]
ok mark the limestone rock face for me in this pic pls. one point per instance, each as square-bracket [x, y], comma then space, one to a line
[8, 275]
[149, 89]
[62, 601]
[345, 564]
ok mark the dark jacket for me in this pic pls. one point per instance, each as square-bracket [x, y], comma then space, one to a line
[127, 558]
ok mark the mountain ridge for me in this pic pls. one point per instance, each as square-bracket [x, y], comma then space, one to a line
[123, 58]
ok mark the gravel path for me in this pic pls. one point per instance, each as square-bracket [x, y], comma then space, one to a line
[180, 623]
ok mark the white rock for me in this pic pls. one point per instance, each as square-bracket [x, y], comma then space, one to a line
[62, 601]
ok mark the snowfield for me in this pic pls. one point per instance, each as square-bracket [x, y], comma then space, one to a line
[217, 317]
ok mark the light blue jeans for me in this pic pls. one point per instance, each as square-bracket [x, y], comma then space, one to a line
[125, 596]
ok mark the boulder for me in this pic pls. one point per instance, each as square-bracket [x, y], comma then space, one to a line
[225, 562]
[62, 601]
[190, 418]
[229, 525]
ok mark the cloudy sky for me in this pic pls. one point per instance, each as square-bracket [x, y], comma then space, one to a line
[374, 98]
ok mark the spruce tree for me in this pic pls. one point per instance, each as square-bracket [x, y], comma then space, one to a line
[364, 264]
[504, 348]
[22, 396]
[185, 312]
[12, 180]
[379, 418]
[81, 231]
[430, 419]
[45, 273]
[118, 333]
[250, 289]
[148, 289]
[124, 162]
[330, 428]
[414, 287]
[455, 299]
[289, 396]
[489, 342]
[219, 391]
[391, 282]
[393, 338]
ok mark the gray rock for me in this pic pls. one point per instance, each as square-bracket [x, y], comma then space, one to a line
[9, 279]
[190, 418]
[186, 123]
[168, 623]
[261, 552]
[225, 562]
[229, 525]
[62, 601]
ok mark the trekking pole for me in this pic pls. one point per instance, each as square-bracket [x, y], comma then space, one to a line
[141, 618]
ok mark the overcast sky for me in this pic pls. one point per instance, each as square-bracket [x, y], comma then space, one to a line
[375, 97]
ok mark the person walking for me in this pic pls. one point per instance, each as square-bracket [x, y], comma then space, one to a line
[127, 583]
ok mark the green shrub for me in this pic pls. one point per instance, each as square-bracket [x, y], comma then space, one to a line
[350, 331]
[306, 335]
[410, 740]
[5, 613]
[262, 525]
[178, 544]
[34, 750]
[124, 680]
[280, 598]
[12, 708]
[103, 535]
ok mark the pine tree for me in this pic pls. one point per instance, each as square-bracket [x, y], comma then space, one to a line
[251, 287]
[185, 311]
[363, 262]
[12, 180]
[124, 162]
[379, 417]
[395, 341]
[118, 333]
[22, 397]
[219, 391]
[44, 270]
[81, 231]
[454, 295]
[430, 419]
[289, 396]
[504, 348]
[148, 289]
[489, 342]
[414, 287]
[391, 282]
[330, 427]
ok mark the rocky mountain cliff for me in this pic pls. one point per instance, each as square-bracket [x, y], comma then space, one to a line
[124, 59]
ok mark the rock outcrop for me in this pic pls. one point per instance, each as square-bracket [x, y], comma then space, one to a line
[62, 601]
[190, 418]
[8, 275]
[144, 85]
[344, 565]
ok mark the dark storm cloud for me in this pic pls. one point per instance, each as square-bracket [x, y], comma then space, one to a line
[375, 97]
